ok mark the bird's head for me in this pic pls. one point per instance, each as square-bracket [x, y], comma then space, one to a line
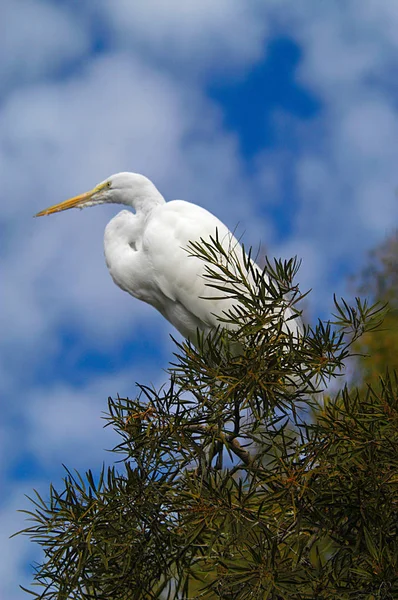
[122, 188]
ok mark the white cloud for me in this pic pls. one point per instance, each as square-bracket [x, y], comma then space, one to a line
[345, 167]
[201, 36]
[37, 38]
[65, 424]
[18, 552]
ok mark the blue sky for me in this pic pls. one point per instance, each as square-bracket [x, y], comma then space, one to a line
[280, 117]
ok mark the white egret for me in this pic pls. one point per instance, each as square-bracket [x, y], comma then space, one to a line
[146, 252]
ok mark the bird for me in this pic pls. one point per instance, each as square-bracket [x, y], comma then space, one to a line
[146, 252]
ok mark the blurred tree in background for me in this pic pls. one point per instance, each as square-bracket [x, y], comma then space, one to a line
[225, 487]
[379, 280]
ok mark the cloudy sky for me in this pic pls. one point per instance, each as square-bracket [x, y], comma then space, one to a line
[281, 117]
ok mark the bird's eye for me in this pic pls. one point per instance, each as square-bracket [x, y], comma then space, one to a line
[108, 184]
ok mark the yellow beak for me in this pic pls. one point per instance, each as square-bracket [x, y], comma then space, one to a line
[76, 202]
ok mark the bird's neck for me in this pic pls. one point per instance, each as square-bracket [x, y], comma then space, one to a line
[145, 198]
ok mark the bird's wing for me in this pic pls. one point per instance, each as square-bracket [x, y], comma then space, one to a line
[192, 303]
[178, 275]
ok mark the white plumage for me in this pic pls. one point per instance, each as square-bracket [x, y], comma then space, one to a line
[146, 251]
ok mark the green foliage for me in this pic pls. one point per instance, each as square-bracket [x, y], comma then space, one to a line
[380, 280]
[225, 487]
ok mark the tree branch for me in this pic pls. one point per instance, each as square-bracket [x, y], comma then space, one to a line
[236, 448]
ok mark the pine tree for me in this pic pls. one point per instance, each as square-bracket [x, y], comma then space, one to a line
[227, 485]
